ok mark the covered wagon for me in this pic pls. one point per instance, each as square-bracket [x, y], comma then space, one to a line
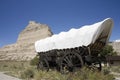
[69, 51]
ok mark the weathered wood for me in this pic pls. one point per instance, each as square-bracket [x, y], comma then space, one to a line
[56, 58]
[70, 62]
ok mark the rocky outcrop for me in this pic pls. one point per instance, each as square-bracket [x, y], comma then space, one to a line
[116, 46]
[23, 49]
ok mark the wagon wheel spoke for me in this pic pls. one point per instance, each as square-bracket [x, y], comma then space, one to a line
[71, 56]
[43, 65]
[70, 62]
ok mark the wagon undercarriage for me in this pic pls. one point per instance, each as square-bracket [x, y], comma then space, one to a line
[68, 60]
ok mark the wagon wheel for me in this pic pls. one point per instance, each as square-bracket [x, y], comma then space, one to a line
[43, 65]
[70, 62]
[96, 66]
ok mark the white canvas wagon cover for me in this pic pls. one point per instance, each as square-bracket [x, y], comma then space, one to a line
[83, 36]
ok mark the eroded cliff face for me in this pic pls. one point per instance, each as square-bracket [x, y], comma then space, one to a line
[24, 49]
[116, 46]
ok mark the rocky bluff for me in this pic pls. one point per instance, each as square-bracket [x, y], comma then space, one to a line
[116, 46]
[24, 49]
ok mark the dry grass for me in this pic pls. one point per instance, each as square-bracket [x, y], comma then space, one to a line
[13, 68]
[82, 74]
[25, 71]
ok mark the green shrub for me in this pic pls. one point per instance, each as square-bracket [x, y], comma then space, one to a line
[108, 51]
[34, 61]
[27, 74]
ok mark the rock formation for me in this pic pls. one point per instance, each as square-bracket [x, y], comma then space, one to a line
[116, 46]
[23, 49]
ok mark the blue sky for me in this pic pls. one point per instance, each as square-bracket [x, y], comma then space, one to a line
[60, 15]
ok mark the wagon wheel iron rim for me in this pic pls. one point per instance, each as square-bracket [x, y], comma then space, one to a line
[70, 62]
[43, 65]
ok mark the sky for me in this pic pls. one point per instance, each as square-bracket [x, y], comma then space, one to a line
[59, 15]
